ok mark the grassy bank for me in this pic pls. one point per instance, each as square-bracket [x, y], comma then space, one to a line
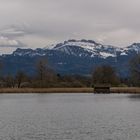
[132, 90]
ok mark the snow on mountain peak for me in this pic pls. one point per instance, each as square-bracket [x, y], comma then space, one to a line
[135, 47]
[81, 48]
[85, 48]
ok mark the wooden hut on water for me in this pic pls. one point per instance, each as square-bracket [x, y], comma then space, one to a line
[102, 88]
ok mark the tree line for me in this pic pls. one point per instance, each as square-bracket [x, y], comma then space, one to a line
[46, 77]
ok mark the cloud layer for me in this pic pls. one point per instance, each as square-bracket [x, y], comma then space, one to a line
[41, 22]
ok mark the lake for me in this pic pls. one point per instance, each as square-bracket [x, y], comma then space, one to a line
[69, 117]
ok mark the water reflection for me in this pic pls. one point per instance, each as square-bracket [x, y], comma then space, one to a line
[135, 97]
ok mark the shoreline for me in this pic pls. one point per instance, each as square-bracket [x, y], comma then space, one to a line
[115, 90]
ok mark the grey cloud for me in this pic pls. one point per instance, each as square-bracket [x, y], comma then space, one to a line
[12, 32]
[38, 22]
[6, 42]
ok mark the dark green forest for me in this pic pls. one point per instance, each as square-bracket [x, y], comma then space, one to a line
[46, 77]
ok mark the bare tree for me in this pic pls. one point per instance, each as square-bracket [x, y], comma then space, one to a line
[135, 70]
[9, 81]
[105, 75]
[41, 69]
[20, 77]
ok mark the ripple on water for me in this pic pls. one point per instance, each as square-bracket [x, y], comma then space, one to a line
[69, 117]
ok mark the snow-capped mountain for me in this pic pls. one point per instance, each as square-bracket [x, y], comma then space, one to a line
[134, 48]
[90, 48]
[73, 57]
[29, 52]
[81, 48]
[85, 48]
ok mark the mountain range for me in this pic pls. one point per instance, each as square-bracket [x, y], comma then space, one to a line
[71, 57]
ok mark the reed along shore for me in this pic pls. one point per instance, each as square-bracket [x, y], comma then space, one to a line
[119, 90]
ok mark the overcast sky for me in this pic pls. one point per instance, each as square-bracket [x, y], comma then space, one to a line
[37, 23]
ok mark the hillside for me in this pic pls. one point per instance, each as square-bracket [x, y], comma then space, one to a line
[72, 57]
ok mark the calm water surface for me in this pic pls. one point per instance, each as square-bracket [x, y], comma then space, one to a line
[69, 117]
